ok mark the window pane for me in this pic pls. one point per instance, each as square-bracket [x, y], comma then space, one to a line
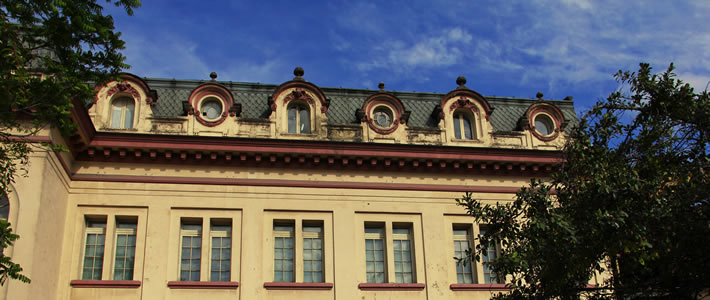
[466, 128]
[305, 118]
[191, 251]
[116, 114]
[283, 259]
[94, 250]
[128, 114]
[402, 261]
[457, 126]
[375, 260]
[292, 112]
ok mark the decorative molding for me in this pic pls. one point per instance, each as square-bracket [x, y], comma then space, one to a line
[528, 120]
[114, 284]
[298, 286]
[391, 286]
[467, 95]
[205, 90]
[400, 116]
[302, 86]
[222, 285]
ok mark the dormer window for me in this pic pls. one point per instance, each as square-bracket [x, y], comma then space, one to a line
[544, 125]
[463, 127]
[299, 118]
[211, 108]
[122, 110]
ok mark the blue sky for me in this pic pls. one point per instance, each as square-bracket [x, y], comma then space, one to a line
[504, 48]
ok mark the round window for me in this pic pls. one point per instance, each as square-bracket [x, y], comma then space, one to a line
[544, 125]
[382, 117]
[211, 108]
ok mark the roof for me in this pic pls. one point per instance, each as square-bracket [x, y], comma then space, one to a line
[343, 103]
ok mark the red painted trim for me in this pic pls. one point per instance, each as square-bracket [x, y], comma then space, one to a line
[211, 89]
[80, 115]
[295, 183]
[465, 92]
[118, 140]
[299, 84]
[222, 285]
[386, 99]
[479, 287]
[554, 112]
[391, 286]
[114, 284]
[297, 286]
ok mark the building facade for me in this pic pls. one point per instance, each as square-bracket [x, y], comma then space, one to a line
[177, 189]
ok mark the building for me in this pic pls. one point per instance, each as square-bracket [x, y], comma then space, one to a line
[177, 189]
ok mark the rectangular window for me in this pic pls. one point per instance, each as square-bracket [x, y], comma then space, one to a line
[462, 244]
[283, 252]
[312, 252]
[125, 248]
[191, 248]
[220, 250]
[94, 248]
[490, 255]
[375, 253]
[402, 246]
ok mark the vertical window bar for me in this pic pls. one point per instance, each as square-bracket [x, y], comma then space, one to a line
[312, 253]
[221, 252]
[375, 254]
[94, 249]
[283, 253]
[190, 252]
[125, 250]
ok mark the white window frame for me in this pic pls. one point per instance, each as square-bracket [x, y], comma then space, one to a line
[459, 117]
[123, 109]
[129, 232]
[220, 234]
[206, 217]
[468, 242]
[390, 222]
[300, 106]
[94, 230]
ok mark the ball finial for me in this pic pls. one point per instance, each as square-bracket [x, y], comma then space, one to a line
[381, 86]
[213, 75]
[298, 72]
[539, 95]
[461, 81]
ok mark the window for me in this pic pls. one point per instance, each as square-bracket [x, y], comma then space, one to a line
[312, 253]
[462, 244]
[4, 207]
[299, 118]
[490, 255]
[190, 250]
[544, 125]
[402, 247]
[382, 117]
[211, 108]
[94, 249]
[300, 258]
[283, 252]
[220, 250]
[125, 249]
[376, 253]
[122, 110]
[463, 128]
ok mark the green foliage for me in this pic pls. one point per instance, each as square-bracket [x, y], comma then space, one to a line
[631, 200]
[50, 53]
[8, 269]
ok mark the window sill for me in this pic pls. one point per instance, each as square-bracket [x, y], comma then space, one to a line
[114, 284]
[479, 287]
[391, 286]
[298, 286]
[203, 284]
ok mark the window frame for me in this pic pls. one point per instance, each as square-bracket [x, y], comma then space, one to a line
[206, 218]
[299, 106]
[112, 216]
[457, 222]
[460, 118]
[299, 220]
[123, 109]
[467, 237]
[391, 222]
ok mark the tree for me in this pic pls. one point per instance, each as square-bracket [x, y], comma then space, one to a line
[630, 199]
[52, 52]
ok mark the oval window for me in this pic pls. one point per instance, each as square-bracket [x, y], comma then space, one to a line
[544, 125]
[382, 117]
[211, 108]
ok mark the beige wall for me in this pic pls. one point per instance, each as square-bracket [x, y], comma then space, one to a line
[51, 223]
